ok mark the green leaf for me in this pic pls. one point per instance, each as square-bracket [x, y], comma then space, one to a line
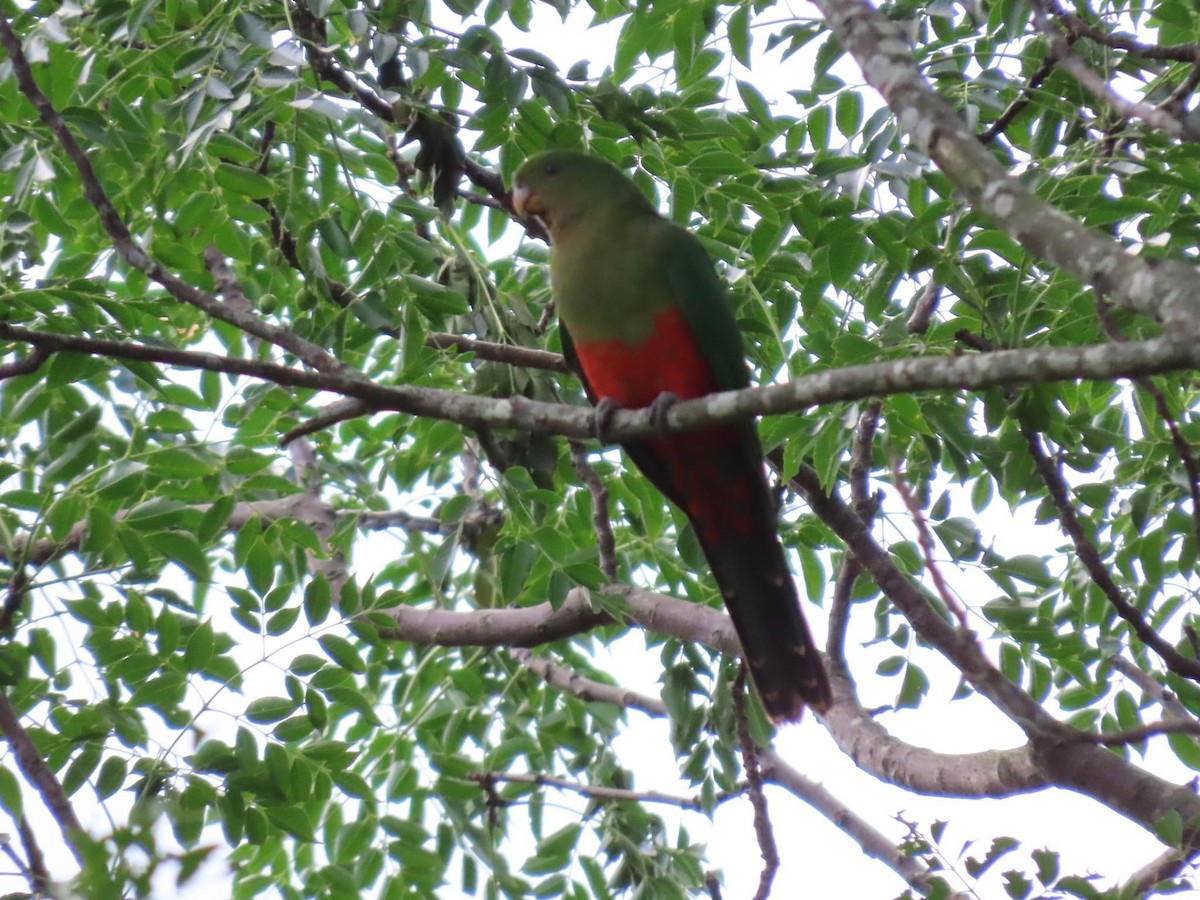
[342, 652]
[1186, 749]
[739, 34]
[1169, 829]
[243, 181]
[182, 548]
[848, 113]
[433, 299]
[260, 566]
[111, 778]
[254, 30]
[317, 600]
[265, 710]
[200, 647]
[81, 768]
[10, 794]
[294, 820]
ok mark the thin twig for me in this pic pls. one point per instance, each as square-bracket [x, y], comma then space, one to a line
[925, 539]
[758, 800]
[958, 645]
[1078, 27]
[33, 766]
[1141, 732]
[1163, 288]
[1095, 83]
[774, 768]
[1182, 448]
[1086, 550]
[606, 544]
[39, 875]
[513, 354]
[26, 365]
[1023, 100]
[599, 792]
[6, 847]
[311, 30]
[130, 251]
[1172, 708]
[1176, 102]
[861, 451]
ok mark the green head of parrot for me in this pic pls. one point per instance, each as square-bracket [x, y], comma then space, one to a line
[560, 185]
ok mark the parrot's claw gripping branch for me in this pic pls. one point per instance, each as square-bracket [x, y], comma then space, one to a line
[606, 408]
[658, 411]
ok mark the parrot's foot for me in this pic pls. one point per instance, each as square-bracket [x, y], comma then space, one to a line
[658, 411]
[602, 418]
[607, 407]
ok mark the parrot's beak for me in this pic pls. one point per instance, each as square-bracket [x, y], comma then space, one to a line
[524, 201]
[520, 196]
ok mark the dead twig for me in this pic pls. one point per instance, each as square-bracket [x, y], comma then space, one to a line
[758, 800]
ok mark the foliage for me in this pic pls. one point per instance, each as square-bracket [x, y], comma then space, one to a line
[202, 624]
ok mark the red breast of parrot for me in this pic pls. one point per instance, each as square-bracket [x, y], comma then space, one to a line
[642, 312]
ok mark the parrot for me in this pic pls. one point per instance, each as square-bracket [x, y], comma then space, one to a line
[645, 320]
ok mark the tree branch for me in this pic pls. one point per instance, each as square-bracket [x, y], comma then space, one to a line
[39, 875]
[775, 769]
[27, 365]
[1095, 84]
[996, 773]
[925, 541]
[1141, 732]
[1078, 27]
[1087, 553]
[597, 791]
[131, 252]
[1164, 289]
[1013, 109]
[1055, 750]
[1158, 870]
[1171, 705]
[606, 545]
[763, 829]
[972, 372]
[525, 626]
[865, 504]
[37, 773]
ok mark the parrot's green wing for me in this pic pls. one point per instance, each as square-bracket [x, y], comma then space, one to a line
[705, 303]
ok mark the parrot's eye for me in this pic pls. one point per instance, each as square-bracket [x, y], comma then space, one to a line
[551, 168]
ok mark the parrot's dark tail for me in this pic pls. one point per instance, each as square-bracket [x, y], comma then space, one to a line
[759, 593]
[716, 476]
